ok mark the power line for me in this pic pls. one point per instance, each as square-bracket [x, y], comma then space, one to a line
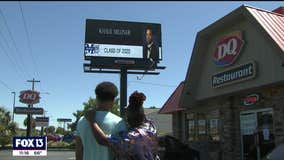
[7, 45]
[13, 41]
[11, 60]
[30, 44]
[5, 85]
[28, 39]
[154, 84]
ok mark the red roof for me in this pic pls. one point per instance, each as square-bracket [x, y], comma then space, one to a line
[279, 10]
[272, 22]
[172, 104]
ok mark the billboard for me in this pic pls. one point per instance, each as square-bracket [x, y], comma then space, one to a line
[108, 41]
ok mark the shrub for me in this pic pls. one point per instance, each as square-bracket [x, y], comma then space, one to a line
[57, 144]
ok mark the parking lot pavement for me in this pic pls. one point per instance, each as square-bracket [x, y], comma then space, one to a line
[51, 155]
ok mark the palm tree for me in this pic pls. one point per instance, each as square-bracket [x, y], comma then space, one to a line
[7, 127]
[78, 114]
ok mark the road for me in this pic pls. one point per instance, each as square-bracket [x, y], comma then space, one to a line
[51, 155]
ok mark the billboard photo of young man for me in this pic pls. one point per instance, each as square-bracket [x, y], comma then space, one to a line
[151, 50]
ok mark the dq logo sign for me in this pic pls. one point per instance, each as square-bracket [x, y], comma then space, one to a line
[228, 49]
[29, 97]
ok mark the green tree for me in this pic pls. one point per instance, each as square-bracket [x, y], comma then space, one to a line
[60, 130]
[116, 108]
[49, 130]
[91, 103]
[7, 127]
[33, 124]
[78, 114]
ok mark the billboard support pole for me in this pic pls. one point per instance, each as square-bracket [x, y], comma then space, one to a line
[123, 91]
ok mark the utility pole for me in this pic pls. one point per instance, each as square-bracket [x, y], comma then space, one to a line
[33, 81]
[14, 105]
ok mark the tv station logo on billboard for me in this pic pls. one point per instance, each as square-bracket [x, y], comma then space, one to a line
[120, 40]
[107, 50]
[228, 49]
[29, 146]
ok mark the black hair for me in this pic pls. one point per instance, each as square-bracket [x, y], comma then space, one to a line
[106, 91]
[135, 111]
[151, 29]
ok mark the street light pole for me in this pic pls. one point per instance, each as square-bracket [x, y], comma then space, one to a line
[14, 105]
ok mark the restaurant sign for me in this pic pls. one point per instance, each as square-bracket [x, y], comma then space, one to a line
[233, 75]
[251, 99]
[29, 97]
[228, 49]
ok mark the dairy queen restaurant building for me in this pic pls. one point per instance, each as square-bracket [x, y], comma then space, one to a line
[231, 104]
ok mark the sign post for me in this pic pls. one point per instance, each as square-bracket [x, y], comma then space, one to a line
[29, 97]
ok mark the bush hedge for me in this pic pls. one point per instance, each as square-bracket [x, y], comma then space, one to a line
[60, 144]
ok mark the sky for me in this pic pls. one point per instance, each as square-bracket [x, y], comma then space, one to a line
[51, 48]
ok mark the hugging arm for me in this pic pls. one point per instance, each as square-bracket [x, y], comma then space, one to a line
[98, 133]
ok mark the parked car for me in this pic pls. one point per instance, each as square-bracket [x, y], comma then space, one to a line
[53, 138]
[60, 136]
[173, 149]
[68, 138]
[276, 154]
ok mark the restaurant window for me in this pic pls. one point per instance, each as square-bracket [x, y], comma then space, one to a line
[201, 126]
[191, 134]
[213, 125]
[191, 130]
[213, 129]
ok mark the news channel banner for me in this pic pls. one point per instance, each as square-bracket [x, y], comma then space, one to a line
[30, 146]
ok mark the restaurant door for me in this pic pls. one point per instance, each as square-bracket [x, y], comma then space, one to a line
[257, 137]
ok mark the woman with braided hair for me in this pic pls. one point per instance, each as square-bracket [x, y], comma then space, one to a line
[139, 142]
